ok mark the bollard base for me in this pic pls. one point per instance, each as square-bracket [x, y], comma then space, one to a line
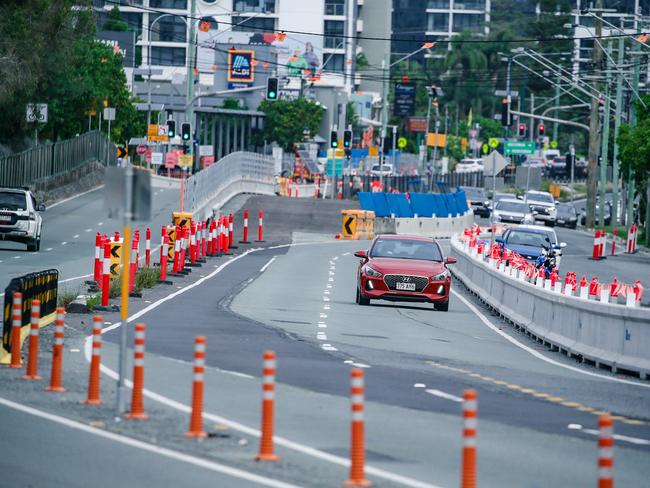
[166, 282]
[244, 242]
[266, 457]
[357, 483]
[55, 389]
[33, 377]
[257, 240]
[138, 416]
[233, 247]
[196, 435]
[135, 294]
[107, 308]
[93, 402]
[16, 366]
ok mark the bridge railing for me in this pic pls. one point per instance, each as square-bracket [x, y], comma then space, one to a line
[238, 172]
[51, 160]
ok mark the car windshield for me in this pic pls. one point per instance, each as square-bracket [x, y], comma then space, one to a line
[502, 196]
[539, 197]
[522, 238]
[519, 207]
[468, 161]
[475, 193]
[11, 200]
[406, 249]
[383, 168]
[566, 209]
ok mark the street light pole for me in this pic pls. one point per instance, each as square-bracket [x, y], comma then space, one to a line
[385, 65]
[191, 63]
[604, 149]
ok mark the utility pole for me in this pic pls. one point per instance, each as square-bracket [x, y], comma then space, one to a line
[636, 55]
[557, 104]
[617, 126]
[604, 143]
[385, 65]
[191, 63]
[596, 59]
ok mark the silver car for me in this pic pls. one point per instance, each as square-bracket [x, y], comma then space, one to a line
[513, 211]
[20, 220]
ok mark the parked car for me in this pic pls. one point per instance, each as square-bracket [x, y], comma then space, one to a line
[20, 220]
[543, 203]
[469, 165]
[530, 243]
[513, 211]
[404, 268]
[477, 200]
[567, 215]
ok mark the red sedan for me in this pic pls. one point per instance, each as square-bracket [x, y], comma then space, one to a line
[404, 268]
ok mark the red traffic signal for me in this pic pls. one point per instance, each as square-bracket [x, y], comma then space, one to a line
[541, 129]
[522, 130]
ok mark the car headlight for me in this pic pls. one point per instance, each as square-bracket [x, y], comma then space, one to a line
[371, 272]
[529, 218]
[497, 217]
[440, 276]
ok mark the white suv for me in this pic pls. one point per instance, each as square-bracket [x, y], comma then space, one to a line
[469, 165]
[543, 203]
[20, 220]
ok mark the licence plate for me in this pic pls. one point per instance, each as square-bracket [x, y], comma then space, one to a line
[405, 286]
[5, 218]
[560, 221]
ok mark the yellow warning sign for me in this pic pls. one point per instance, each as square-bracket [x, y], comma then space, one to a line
[171, 233]
[373, 151]
[185, 160]
[116, 257]
[349, 226]
[183, 219]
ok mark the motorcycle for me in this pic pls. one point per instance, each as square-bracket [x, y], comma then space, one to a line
[547, 260]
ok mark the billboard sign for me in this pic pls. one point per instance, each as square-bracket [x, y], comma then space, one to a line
[122, 43]
[404, 99]
[240, 66]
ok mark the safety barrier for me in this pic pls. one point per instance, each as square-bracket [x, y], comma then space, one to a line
[357, 224]
[238, 172]
[591, 329]
[414, 205]
[41, 286]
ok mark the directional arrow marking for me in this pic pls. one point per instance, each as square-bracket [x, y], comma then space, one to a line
[348, 225]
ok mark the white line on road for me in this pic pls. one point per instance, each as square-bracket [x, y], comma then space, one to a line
[88, 230]
[56, 204]
[64, 243]
[16, 257]
[100, 224]
[144, 446]
[76, 236]
[263, 268]
[442, 394]
[419, 385]
[625, 438]
[537, 354]
[49, 249]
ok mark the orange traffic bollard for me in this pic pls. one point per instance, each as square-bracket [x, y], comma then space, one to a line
[605, 452]
[245, 231]
[106, 276]
[260, 227]
[357, 448]
[95, 363]
[196, 417]
[470, 423]
[137, 399]
[57, 353]
[147, 248]
[16, 324]
[34, 326]
[268, 405]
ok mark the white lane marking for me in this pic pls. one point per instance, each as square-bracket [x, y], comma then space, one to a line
[64, 243]
[330, 279]
[326, 307]
[0, 261]
[537, 354]
[323, 315]
[296, 446]
[442, 394]
[49, 249]
[328, 347]
[76, 236]
[321, 336]
[88, 230]
[619, 437]
[329, 286]
[331, 273]
[144, 446]
[56, 204]
[326, 292]
[322, 325]
[263, 268]
[16, 257]
[346, 254]
[419, 385]
[335, 258]
[326, 299]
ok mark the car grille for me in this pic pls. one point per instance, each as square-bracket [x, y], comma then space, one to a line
[420, 281]
[515, 220]
[544, 210]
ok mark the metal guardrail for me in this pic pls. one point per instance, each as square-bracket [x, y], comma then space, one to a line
[50, 160]
[234, 169]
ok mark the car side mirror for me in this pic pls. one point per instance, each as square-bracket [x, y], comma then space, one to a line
[562, 245]
[361, 254]
[450, 260]
[41, 207]
[499, 240]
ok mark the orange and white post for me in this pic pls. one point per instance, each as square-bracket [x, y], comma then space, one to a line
[268, 406]
[94, 397]
[605, 452]
[357, 448]
[57, 353]
[34, 327]
[16, 323]
[470, 424]
[137, 399]
[196, 417]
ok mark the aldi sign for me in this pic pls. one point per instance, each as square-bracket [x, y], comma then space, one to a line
[240, 66]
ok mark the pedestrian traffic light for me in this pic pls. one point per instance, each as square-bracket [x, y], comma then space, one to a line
[522, 130]
[347, 139]
[271, 88]
[334, 139]
[506, 116]
[186, 131]
[171, 129]
[541, 129]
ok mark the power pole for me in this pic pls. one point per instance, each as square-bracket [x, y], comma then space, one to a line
[617, 125]
[191, 63]
[596, 59]
[557, 104]
[604, 143]
[636, 55]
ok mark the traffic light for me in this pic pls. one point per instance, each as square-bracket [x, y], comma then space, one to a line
[601, 105]
[171, 129]
[347, 139]
[271, 88]
[541, 129]
[522, 130]
[186, 131]
[334, 139]
[506, 116]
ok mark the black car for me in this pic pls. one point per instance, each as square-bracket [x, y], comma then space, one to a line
[567, 215]
[557, 167]
[608, 214]
[477, 200]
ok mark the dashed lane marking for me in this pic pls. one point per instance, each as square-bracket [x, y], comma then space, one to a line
[64, 243]
[76, 236]
[444, 395]
[263, 268]
[534, 393]
[419, 385]
[625, 438]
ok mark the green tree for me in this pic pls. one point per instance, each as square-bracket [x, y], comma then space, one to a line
[466, 76]
[115, 21]
[285, 120]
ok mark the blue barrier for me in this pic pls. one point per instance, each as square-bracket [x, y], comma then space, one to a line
[365, 199]
[380, 204]
[461, 201]
[422, 204]
[399, 205]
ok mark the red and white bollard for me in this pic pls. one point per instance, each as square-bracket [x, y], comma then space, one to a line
[595, 253]
[340, 190]
[605, 452]
[603, 243]
[177, 251]
[204, 238]
[266, 452]
[133, 265]
[245, 232]
[16, 324]
[357, 449]
[193, 243]
[614, 240]
[226, 236]
[147, 248]
[106, 275]
[164, 250]
[631, 239]
[260, 227]
[97, 273]
[196, 417]
[231, 229]
[219, 233]
[34, 327]
[470, 424]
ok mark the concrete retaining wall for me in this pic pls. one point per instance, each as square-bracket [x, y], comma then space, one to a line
[610, 335]
[425, 226]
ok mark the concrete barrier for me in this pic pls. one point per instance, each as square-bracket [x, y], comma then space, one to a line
[606, 335]
[438, 227]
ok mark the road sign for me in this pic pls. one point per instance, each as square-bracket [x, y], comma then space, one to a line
[109, 113]
[417, 124]
[349, 225]
[523, 147]
[157, 158]
[141, 149]
[122, 152]
[493, 164]
[157, 133]
[401, 142]
[493, 142]
[554, 144]
[373, 151]
[404, 103]
[486, 148]
[116, 257]
[185, 160]
[504, 93]
[36, 112]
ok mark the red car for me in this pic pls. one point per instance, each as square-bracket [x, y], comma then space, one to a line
[404, 268]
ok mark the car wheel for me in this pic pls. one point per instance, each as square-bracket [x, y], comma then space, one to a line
[441, 306]
[361, 300]
[38, 244]
[32, 246]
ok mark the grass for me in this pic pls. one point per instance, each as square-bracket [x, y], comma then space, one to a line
[622, 233]
[66, 297]
[144, 278]
[93, 300]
